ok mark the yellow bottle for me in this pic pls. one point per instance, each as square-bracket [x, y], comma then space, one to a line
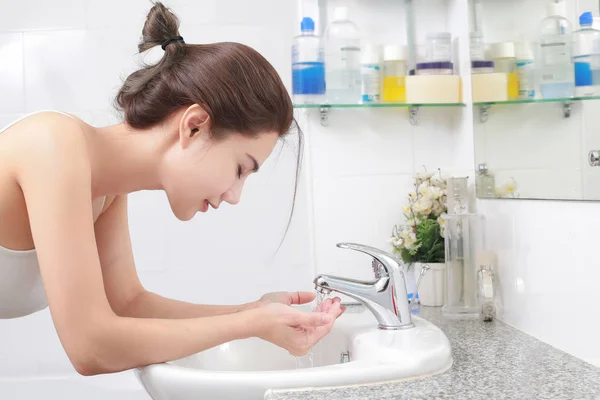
[505, 61]
[394, 74]
[513, 86]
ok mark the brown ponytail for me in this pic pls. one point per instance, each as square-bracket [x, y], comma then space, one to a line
[236, 85]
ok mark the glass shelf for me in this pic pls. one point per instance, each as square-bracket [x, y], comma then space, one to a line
[558, 100]
[379, 105]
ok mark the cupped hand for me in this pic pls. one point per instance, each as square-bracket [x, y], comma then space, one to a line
[295, 330]
[287, 298]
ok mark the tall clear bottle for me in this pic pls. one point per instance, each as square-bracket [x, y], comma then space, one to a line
[556, 74]
[462, 240]
[342, 59]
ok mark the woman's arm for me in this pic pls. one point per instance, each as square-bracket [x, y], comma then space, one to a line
[55, 176]
[126, 295]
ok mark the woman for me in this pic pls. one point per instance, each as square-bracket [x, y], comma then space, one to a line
[196, 125]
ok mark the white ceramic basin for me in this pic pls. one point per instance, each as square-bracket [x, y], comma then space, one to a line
[246, 369]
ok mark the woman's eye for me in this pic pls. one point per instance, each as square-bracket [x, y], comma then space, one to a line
[239, 172]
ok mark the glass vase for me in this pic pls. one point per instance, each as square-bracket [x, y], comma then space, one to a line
[463, 239]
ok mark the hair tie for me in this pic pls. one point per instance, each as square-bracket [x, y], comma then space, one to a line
[170, 40]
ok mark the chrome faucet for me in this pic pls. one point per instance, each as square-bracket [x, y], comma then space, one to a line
[390, 308]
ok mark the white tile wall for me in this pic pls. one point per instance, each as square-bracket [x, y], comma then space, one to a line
[38, 15]
[11, 70]
[548, 269]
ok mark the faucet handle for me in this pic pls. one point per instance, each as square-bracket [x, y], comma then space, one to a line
[383, 263]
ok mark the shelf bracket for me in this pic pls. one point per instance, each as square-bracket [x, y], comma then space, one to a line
[567, 106]
[484, 113]
[414, 115]
[324, 111]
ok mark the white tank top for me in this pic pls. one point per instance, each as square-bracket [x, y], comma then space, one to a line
[21, 287]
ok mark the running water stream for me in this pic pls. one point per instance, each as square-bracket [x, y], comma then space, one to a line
[307, 361]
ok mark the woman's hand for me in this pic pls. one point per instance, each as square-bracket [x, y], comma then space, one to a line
[295, 330]
[287, 298]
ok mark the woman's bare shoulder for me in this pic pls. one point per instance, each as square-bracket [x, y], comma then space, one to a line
[46, 138]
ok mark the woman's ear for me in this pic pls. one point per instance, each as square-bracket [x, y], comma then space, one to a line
[194, 122]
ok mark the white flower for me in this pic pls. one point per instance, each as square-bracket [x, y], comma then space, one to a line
[423, 206]
[438, 208]
[436, 192]
[424, 189]
[507, 190]
[442, 221]
[406, 209]
[410, 239]
[412, 196]
[412, 221]
[423, 176]
[437, 181]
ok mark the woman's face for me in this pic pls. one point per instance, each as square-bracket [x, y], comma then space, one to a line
[201, 172]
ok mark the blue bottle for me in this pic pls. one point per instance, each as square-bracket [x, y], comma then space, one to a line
[586, 57]
[308, 66]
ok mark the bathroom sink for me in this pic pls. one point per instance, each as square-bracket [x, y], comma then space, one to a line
[354, 352]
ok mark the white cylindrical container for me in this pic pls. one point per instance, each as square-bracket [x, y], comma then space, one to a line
[432, 288]
[439, 47]
[370, 74]
[476, 46]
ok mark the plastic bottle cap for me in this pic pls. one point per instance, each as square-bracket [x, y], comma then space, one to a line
[371, 54]
[524, 51]
[502, 50]
[340, 13]
[586, 18]
[482, 64]
[435, 65]
[307, 24]
[557, 9]
[394, 52]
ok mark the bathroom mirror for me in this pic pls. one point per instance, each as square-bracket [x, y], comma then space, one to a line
[536, 119]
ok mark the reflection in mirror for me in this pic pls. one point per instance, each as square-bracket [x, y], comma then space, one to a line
[535, 75]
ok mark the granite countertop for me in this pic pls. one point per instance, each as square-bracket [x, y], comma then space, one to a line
[492, 360]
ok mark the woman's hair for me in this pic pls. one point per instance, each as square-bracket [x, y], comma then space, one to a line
[238, 88]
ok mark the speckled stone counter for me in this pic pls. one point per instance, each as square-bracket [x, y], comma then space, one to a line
[492, 360]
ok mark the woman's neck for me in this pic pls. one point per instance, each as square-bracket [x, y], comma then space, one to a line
[126, 160]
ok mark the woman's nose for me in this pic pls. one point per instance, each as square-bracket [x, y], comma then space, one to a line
[232, 196]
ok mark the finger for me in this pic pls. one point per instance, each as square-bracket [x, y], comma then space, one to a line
[302, 297]
[337, 300]
[335, 311]
[326, 305]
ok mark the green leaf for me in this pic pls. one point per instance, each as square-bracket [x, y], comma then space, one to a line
[431, 247]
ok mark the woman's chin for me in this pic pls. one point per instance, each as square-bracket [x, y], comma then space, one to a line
[184, 215]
